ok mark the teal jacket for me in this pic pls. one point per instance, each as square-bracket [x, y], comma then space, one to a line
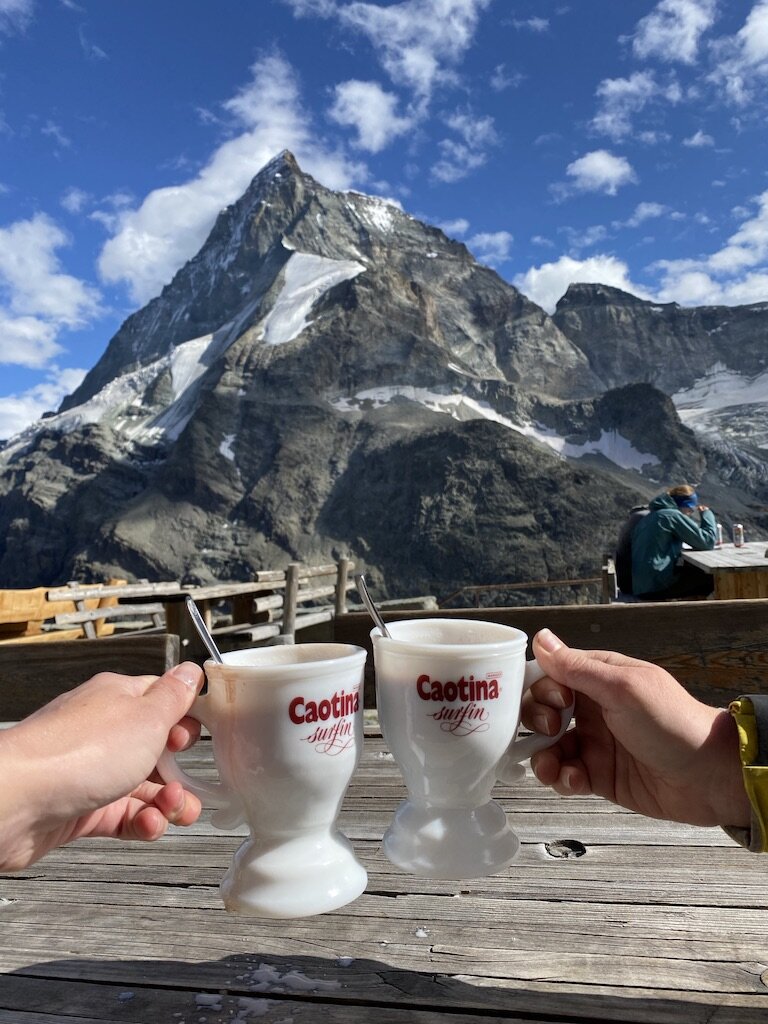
[657, 541]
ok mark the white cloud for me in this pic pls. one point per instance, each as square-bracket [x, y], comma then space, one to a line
[456, 162]
[454, 228]
[741, 61]
[736, 273]
[644, 212]
[38, 299]
[699, 140]
[27, 341]
[532, 24]
[673, 30]
[476, 131]
[75, 200]
[546, 284]
[416, 40]
[491, 246]
[600, 171]
[30, 274]
[619, 99]
[413, 38]
[459, 157]
[502, 79]
[91, 50]
[586, 237]
[15, 14]
[56, 132]
[366, 107]
[153, 240]
[19, 411]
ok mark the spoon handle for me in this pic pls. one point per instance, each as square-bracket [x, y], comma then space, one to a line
[202, 629]
[373, 611]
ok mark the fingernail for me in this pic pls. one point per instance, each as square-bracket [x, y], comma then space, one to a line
[541, 724]
[548, 640]
[188, 672]
[557, 699]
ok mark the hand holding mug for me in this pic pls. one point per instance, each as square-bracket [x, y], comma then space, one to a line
[449, 694]
[287, 730]
[640, 740]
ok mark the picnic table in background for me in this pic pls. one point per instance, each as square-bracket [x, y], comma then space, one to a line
[738, 572]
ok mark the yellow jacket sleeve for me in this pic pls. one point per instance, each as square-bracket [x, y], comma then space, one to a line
[751, 717]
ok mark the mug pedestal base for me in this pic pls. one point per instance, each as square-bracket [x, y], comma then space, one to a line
[443, 842]
[300, 877]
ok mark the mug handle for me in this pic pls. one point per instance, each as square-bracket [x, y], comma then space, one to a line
[509, 770]
[229, 811]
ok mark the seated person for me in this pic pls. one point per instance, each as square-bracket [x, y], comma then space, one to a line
[657, 542]
[623, 553]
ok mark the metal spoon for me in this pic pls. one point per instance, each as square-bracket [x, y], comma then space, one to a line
[373, 611]
[202, 629]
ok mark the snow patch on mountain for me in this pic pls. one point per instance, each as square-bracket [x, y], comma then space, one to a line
[610, 443]
[121, 402]
[306, 279]
[703, 405]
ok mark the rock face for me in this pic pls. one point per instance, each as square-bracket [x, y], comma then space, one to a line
[329, 376]
[670, 346]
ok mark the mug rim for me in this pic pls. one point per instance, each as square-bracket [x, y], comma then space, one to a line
[277, 658]
[400, 645]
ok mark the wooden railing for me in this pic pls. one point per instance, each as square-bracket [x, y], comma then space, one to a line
[716, 649]
[273, 606]
[606, 582]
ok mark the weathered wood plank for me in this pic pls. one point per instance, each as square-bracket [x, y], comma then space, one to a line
[31, 675]
[370, 977]
[113, 612]
[85, 593]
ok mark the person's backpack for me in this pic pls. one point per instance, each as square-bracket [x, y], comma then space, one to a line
[623, 556]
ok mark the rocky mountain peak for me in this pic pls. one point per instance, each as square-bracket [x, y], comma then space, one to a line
[321, 344]
[581, 294]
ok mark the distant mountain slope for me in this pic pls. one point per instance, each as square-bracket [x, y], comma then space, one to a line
[329, 376]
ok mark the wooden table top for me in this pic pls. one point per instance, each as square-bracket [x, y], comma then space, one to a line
[654, 923]
[748, 557]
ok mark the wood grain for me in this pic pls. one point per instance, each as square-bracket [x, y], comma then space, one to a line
[656, 923]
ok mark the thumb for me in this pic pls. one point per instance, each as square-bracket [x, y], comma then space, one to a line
[173, 693]
[587, 672]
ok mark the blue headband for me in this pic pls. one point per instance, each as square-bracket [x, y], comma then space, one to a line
[686, 500]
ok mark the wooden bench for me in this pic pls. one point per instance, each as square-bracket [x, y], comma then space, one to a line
[716, 649]
[32, 674]
[40, 615]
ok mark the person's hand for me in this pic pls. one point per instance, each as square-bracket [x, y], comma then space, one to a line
[640, 739]
[84, 765]
[703, 508]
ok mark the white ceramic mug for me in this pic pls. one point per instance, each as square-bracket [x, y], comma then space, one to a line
[287, 730]
[448, 696]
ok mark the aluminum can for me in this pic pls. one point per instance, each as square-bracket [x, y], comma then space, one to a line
[738, 535]
[719, 541]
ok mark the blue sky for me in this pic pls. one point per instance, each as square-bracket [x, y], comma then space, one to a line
[620, 141]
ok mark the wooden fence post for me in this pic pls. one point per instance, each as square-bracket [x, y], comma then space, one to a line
[610, 588]
[290, 599]
[342, 576]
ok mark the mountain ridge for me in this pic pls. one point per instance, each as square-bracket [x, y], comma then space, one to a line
[320, 346]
